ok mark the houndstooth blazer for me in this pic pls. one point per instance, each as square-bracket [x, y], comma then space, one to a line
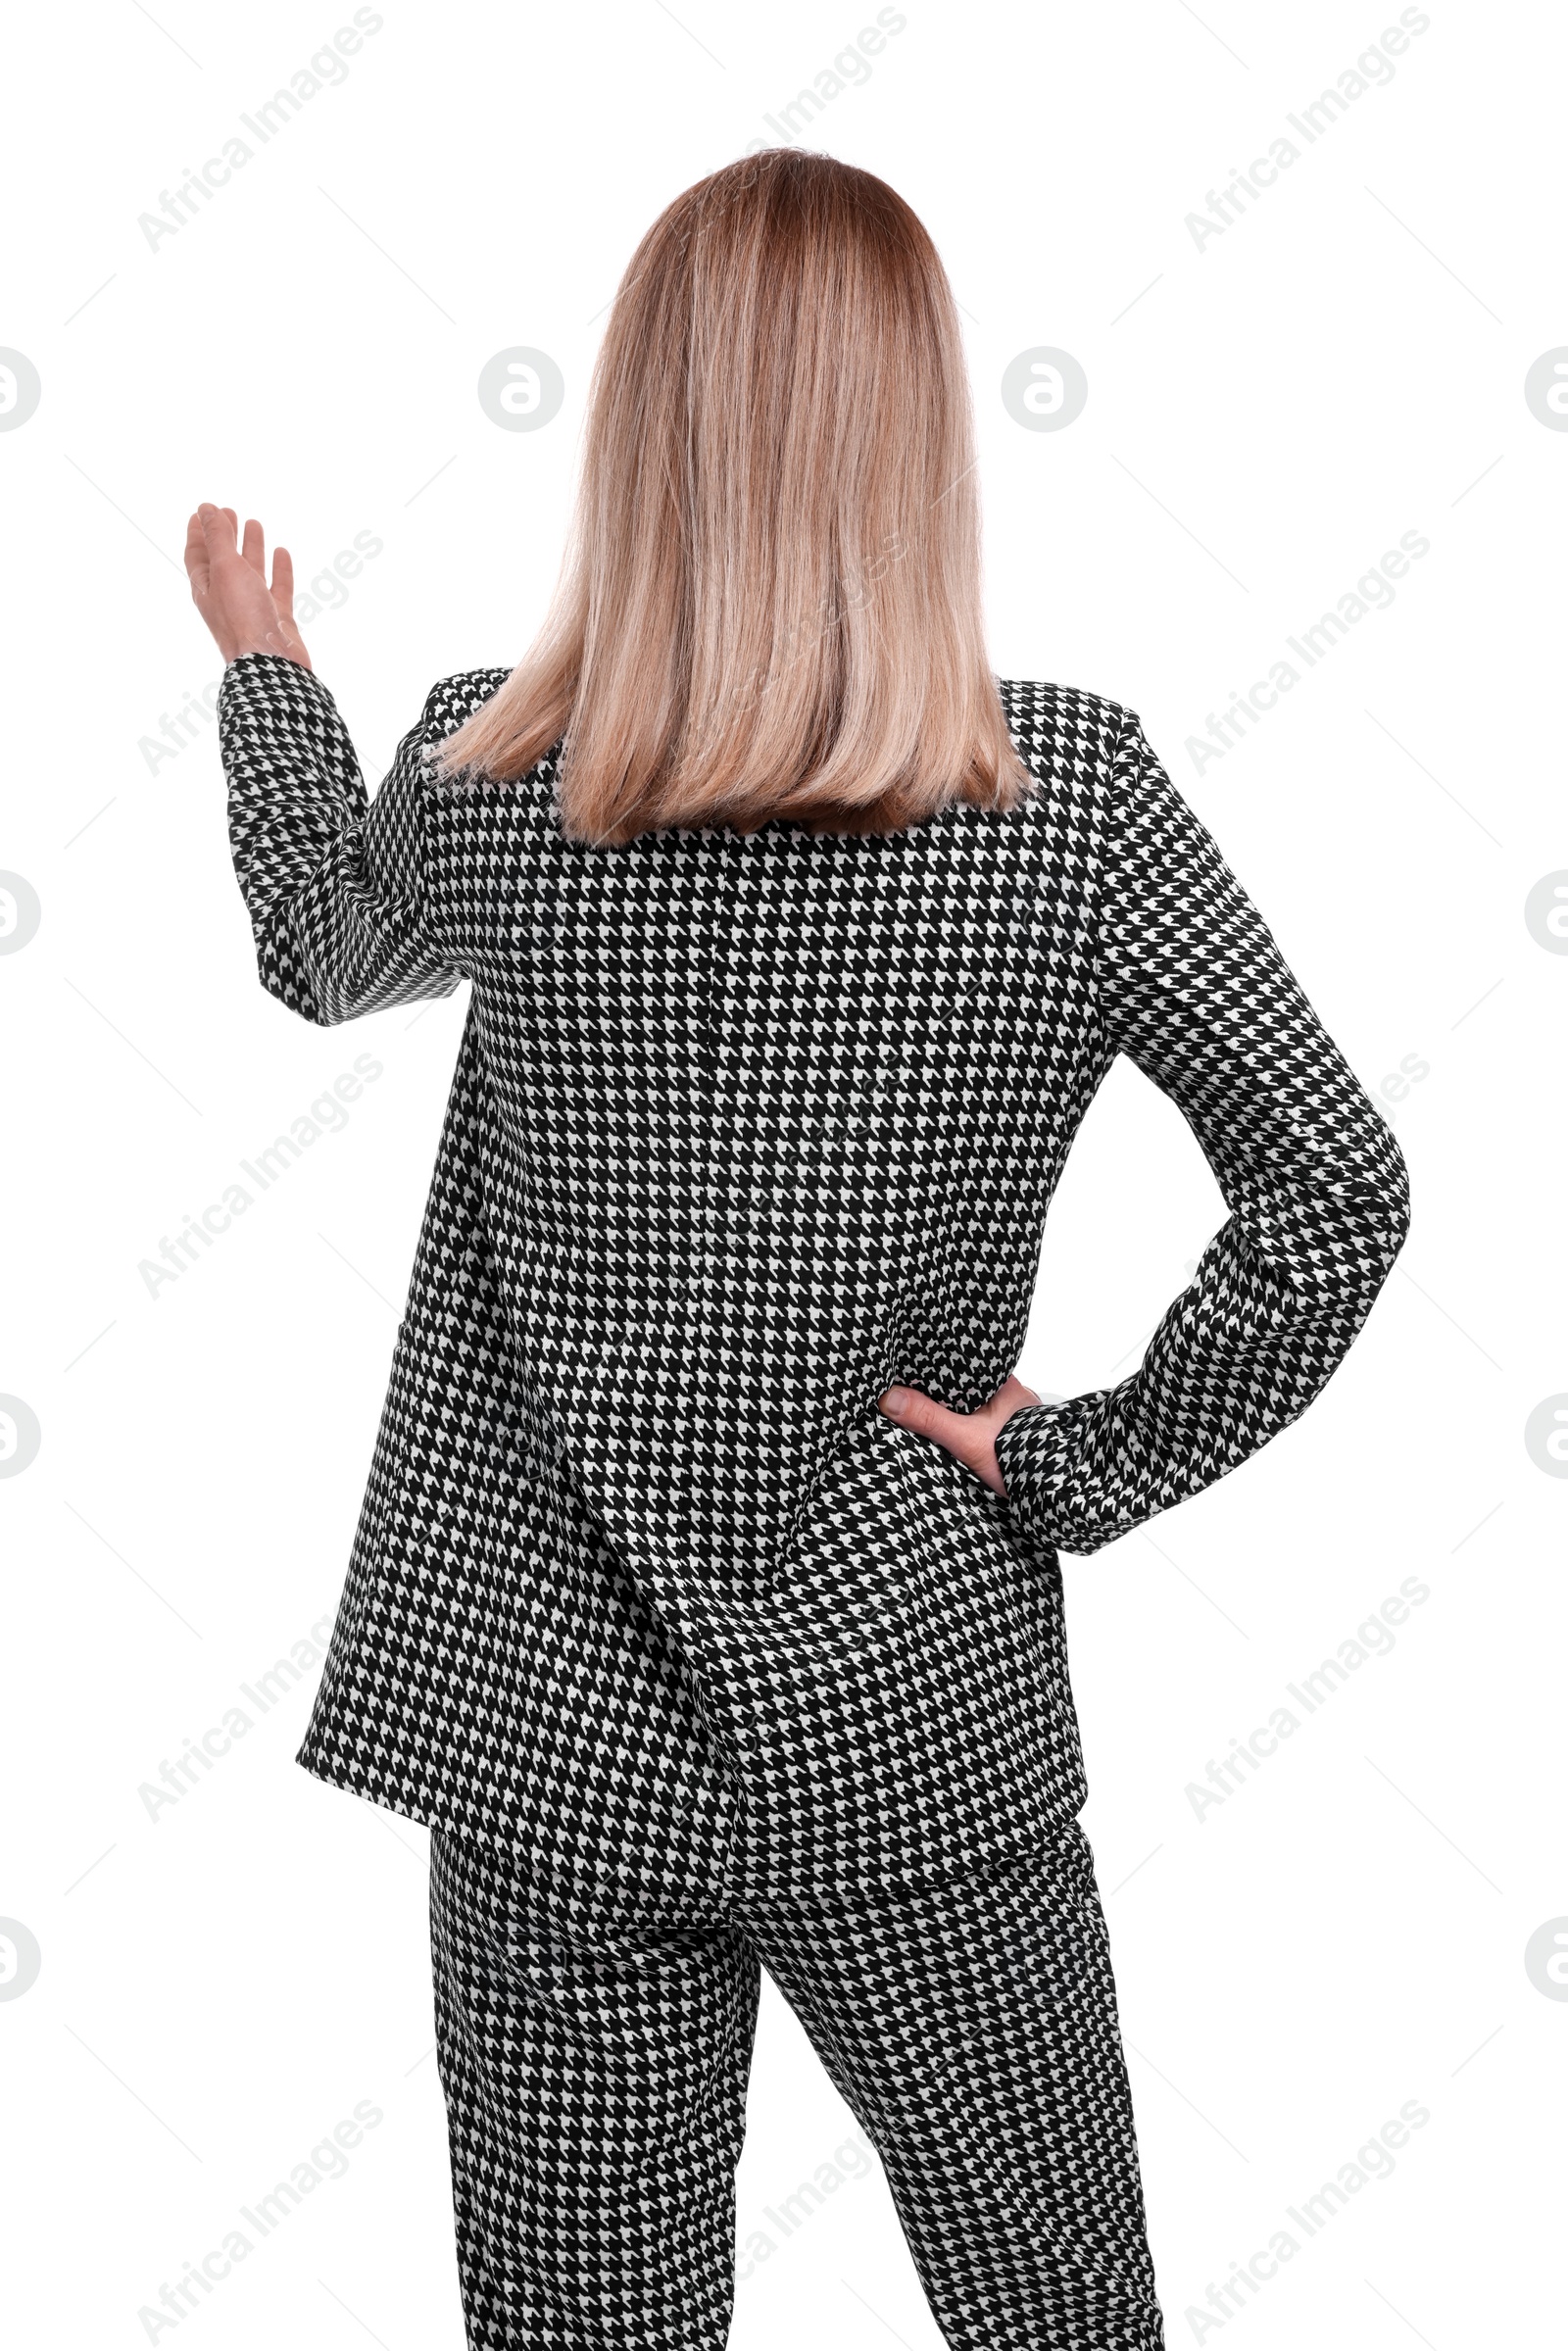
[745, 1128]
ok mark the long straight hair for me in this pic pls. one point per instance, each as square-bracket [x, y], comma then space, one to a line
[770, 602]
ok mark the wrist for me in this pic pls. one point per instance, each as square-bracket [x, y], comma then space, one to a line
[276, 647]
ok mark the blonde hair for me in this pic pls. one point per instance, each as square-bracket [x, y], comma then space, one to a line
[770, 603]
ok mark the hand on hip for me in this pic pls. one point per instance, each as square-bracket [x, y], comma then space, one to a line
[969, 1437]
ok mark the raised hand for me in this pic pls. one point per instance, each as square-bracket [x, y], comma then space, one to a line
[229, 583]
[969, 1437]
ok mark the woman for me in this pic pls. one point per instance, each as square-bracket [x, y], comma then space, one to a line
[706, 1602]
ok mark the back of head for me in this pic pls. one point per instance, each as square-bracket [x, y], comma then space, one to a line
[770, 605]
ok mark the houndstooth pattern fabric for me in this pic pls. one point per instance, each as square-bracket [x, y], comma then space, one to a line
[594, 2059]
[744, 1129]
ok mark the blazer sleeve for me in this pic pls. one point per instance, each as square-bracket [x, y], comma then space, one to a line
[336, 885]
[1195, 991]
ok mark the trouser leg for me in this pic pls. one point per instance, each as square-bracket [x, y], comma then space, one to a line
[595, 2071]
[971, 2028]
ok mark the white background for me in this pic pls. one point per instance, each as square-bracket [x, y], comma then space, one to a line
[1267, 412]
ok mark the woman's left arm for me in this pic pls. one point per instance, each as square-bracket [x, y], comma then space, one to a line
[335, 884]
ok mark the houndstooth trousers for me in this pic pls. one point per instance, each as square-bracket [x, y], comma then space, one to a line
[594, 2054]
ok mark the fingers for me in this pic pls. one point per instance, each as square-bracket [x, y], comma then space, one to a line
[196, 565]
[966, 1436]
[969, 1437]
[218, 529]
[921, 1413]
[928, 1418]
[963, 1434]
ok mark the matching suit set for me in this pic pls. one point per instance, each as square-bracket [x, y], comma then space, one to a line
[693, 1662]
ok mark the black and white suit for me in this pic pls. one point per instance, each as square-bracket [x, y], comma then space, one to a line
[645, 1592]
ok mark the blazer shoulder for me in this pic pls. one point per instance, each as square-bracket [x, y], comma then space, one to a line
[1064, 733]
[452, 700]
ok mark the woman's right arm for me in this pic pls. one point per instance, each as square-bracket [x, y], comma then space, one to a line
[1195, 991]
[335, 883]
